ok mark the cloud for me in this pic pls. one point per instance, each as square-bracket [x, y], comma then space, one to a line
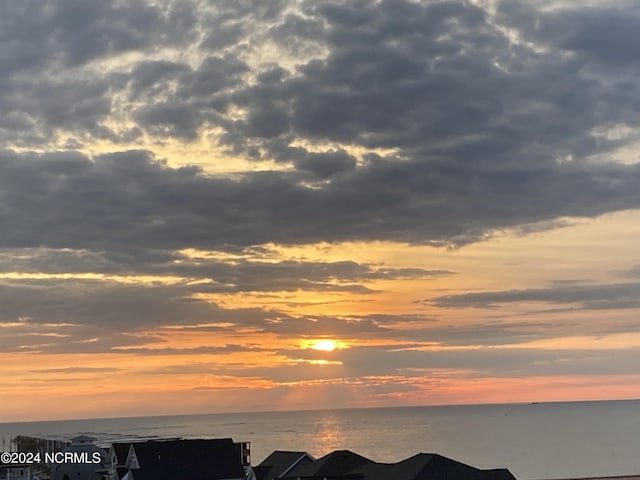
[474, 131]
[354, 364]
[602, 33]
[54, 75]
[114, 306]
[73, 33]
[230, 275]
[77, 370]
[115, 202]
[206, 350]
[604, 296]
[632, 272]
[108, 316]
[324, 165]
[498, 362]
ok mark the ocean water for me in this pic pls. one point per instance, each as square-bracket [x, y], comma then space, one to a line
[534, 441]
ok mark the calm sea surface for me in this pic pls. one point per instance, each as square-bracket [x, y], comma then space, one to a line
[546, 440]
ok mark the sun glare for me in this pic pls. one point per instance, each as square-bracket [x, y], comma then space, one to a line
[325, 345]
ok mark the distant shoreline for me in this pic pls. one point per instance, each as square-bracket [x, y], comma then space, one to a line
[313, 410]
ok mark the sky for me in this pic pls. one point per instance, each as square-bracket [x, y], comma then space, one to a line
[214, 206]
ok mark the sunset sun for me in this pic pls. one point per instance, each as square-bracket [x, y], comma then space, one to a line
[325, 345]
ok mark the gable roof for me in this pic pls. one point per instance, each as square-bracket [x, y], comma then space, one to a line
[498, 474]
[119, 452]
[429, 466]
[281, 462]
[334, 464]
[419, 467]
[120, 473]
[215, 459]
[344, 464]
[262, 472]
[81, 439]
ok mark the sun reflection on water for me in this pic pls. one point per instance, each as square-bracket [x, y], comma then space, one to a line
[330, 434]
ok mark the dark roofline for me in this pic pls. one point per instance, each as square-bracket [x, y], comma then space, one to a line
[334, 464]
[295, 464]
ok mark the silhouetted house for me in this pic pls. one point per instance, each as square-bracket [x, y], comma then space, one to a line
[261, 472]
[280, 463]
[215, 459]
[89, 461]
[118, 454]
[15, 471]
[346, 465]
[118, 473]
[335, 464]
[498, 474]
[428, 466]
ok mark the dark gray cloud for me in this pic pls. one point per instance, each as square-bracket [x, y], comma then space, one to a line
[476, 118]
[398, 76]
[603, 34]
[72, 32]
[128, 200]
[178, 100]
[149, 78]
[324, 165]
[233, 275]
[41, 107]
[608, 296]
[487, 133]
[113, 306]
[52, 80]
